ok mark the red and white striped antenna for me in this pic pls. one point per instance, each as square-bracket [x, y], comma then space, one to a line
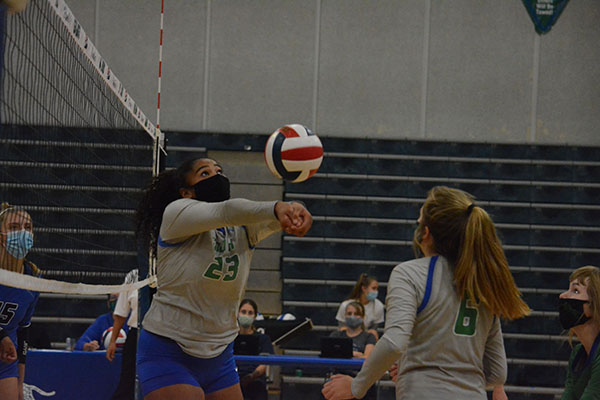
[162, 13]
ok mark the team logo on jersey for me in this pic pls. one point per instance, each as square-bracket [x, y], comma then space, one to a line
[223, 239]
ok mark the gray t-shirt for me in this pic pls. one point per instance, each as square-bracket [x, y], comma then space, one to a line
[450, 349]
[204, 255]
[359, 342]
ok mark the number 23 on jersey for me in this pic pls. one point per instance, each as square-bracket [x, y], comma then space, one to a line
[223, 268]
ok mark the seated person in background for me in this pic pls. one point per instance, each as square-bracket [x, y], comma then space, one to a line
[362, 342]
[365, 292]
[253, 380]
[92, 339]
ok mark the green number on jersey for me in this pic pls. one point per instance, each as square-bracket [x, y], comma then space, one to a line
[466, 319]
[225, 268]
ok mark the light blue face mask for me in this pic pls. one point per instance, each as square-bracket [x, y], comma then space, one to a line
[18, 243]
[353, 322]
[245, 321]
[372, 295]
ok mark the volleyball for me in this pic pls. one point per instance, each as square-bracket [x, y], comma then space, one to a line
[293, 153]
[107, 334]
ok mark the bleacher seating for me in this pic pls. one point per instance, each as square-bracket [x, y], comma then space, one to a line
[366, 197]
[365, 201]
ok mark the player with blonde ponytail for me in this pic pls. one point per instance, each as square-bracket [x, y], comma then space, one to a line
[444, 309]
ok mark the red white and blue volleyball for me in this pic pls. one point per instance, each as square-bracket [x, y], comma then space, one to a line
[120, 342]
[293, 153]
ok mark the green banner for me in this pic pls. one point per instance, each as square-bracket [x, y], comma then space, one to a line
[544, 13]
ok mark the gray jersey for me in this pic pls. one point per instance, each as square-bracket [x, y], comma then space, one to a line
[204, 255]
[447, 348]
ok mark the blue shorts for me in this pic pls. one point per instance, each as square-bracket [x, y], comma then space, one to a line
[161, 363]
[9, 370]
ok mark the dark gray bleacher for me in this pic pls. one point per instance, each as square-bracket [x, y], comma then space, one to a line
[366, 198]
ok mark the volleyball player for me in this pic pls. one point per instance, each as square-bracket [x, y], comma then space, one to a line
[16, 305]
[204, 243]
[444, 310]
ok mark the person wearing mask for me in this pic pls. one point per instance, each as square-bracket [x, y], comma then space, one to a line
[16, 305]
[253, 380]
[204, 242]
[444, 309]
[579, 313]
[363, 342]
[365, 291]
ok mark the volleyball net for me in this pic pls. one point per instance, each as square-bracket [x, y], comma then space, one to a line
[75, 150]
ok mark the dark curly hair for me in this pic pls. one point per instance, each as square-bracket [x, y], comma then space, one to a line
[163, 190]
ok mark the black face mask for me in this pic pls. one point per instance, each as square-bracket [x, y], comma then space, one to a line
[570, 312]
[213, 189]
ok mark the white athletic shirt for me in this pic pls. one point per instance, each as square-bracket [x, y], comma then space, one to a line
[128, 301]
[204, 255]
[373, 312]
[450, 349]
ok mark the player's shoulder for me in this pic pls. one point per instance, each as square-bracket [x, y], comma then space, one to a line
[415, 265]
[179, 204]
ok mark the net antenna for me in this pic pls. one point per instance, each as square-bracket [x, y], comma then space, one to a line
[159, 141]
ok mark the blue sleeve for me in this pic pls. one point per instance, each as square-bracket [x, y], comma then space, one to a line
[26, 321]
[94, 331]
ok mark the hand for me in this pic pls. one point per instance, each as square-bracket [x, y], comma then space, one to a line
[338, 388]
[394, 372]
[110, 352]
[8, 352]
[294, 218]
[499, 393]
[91, 346]
[358, 354]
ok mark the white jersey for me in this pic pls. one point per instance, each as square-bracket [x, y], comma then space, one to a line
[127, 303]
[204, 255]
[447, 348]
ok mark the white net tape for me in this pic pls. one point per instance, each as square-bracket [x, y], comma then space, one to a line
[21, 281]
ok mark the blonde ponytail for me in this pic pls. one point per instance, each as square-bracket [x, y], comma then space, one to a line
[465, 235]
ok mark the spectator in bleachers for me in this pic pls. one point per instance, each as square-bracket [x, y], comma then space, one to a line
[253, 379]
[17, 305]
[363, 342]
[444, 309]
[365, 292]
[92, 339]
[579, 312]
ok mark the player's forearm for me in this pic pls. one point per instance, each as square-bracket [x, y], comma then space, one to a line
[197, 217]
[380, 360]
[117, 325]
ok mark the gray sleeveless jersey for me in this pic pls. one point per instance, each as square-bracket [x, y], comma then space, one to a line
[446, 348]
[204, 255]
